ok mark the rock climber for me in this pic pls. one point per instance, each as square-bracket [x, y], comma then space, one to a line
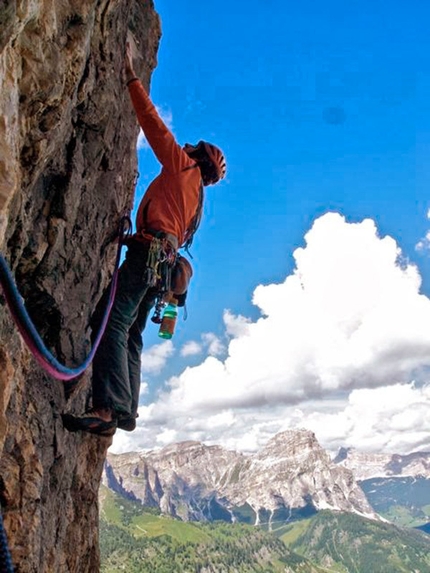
[167, 218]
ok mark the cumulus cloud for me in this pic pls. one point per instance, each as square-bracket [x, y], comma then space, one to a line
[154, 358]
[391, 419]
[213, 344]
[348, 329]
[144, 388]
[209, 343]
[166, 115]
[166, 436]
[191, 348]
[236, 326]
[424, 243]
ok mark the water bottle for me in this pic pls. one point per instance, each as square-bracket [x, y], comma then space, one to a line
[168, 323]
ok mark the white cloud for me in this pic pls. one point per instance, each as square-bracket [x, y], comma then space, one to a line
[166, 436]
[391, 419]
[350, 320]
[236, 325]
[210, 343]
[166, 115]
[191, 348]
[154, 359]
[424, 243]
[213, 344]
[144, 388]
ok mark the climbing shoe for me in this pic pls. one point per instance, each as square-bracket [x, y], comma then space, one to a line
[126, 423]
[89, 423]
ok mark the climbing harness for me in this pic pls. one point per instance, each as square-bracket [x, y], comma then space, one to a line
[162, 255]
[5, 558]
[27, 329]
[158, 255]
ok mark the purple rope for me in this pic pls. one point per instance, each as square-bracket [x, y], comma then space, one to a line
[28, 331]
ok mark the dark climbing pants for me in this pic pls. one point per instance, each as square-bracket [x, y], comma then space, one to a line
[117, 363]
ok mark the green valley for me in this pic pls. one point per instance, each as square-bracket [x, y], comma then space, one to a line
[138, 539]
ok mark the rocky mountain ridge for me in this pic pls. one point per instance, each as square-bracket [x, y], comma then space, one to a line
[370, 465]
[291, 476]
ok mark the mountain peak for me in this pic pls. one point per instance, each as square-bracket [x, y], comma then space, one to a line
[291, 476]
[341, 455]
[295, 436]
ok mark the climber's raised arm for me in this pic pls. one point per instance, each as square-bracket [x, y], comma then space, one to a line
[168, 152]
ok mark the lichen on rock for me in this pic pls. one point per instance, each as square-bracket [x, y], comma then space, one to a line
[67, 173]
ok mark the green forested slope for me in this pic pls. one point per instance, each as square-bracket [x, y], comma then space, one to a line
[136, 541]
[139, 540]
[349, 543]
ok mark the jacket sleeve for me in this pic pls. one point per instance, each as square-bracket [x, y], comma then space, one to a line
[168, 152]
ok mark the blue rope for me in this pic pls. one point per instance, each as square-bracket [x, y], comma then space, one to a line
[5, 558]
[28, 330]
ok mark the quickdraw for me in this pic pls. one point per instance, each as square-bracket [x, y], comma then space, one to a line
[161, 259]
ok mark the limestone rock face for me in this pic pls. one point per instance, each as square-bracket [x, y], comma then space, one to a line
[291, 476]
[67, 173]
[370, 465]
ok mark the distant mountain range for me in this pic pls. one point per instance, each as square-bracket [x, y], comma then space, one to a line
[397, 487]
[326, 515]
[365, 466]
[291, 477]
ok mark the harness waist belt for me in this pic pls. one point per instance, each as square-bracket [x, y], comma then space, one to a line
[169, 237]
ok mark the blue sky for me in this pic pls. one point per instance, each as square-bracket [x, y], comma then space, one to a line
[319, 107]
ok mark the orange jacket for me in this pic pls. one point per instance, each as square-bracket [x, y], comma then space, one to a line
[171, 200]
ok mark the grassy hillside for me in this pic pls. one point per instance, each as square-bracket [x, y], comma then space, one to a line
[349, 543]
[139, 541]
